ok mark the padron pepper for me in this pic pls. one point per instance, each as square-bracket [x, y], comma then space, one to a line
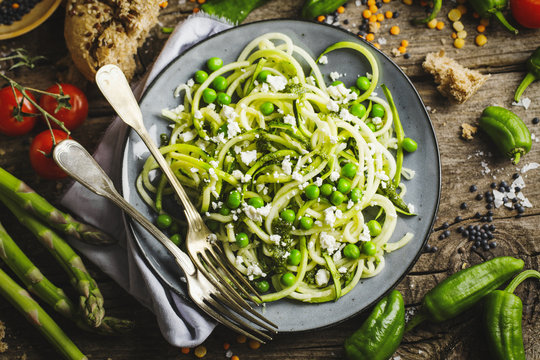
[507, 131]
[464, 289]
[313, 8]
[234, 11]
[381, 333]
[502, 320]
[533, 74]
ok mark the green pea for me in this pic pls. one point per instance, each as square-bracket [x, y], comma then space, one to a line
[163, 139]
[220, 83]
[344, 185]
[261, 77]
[306, 222]
[288, 279]
[234, 199]
[337, 198]
[374, 228]
[371, 126]
[201, 76]
[326, 189]
[176, 239]
[336, 83]
[363, 83]
[355, 90]
[163, 221]
[369, 248]
[256, 202]
[377, 111]
[356, 194]
[349, 170]
[294, 257]
[288, 215]
[174, 228]
[209, 95]
[212, 225]
[224, 210]
[351, 251]
[214, 63]
[262, 286]
[358, 110]
[223, 98]
[312, 191]
[267, 108]
[409, 145]
[242, 240]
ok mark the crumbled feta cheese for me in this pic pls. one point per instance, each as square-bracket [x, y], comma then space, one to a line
[233, 128]
[190, 82]
[228, 112]
[332, 106]
[277, 83]
[248, 157]
[342, 270]
[333, 139]
[323, 60]
[297, 176]
[286, 165]
[334, 75]
[318, 181]
[376, 120]
[329, 216]
[289, 119]
[322, 277]
[188, 136]
[411, 208]
[334, 175]
[275, 239]
[198, 114]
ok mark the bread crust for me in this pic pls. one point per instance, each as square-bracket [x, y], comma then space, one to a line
[100, 32]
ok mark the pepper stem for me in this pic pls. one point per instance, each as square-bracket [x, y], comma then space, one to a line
[436, 8]
[529, 78]
[417, 319]
[505, 23]
[520, 278]
[516, 158]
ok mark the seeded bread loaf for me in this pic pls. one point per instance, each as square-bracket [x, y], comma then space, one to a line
[100, 32]
[455, 81]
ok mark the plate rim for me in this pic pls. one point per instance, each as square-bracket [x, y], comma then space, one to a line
[431, 129]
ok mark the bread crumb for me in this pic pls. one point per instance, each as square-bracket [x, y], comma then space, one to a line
[468, 131]
[455, 81]
[3, 345]
[396, 52]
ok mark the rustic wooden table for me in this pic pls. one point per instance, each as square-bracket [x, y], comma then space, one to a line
[464, 163]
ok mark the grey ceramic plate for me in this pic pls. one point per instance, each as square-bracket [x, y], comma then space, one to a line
[422, 191]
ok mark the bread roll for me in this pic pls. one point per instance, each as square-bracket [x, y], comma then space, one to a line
[100, 32]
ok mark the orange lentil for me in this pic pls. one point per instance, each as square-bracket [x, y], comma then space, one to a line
[402, 49]
[373, 18]
[371, 2]
[385, 1]
[235, 357]
[380, 17]
[201, 1]
[389, 14]
[462, 9]
[196, 10]
[394, 30]
[15, 5]
[366, 14]
[200, 351]
[370, 37]
[254, 344]
[320, 18]
[373, 9]
[340, 10]
[454, 35]
[476, 15]
[226, 346]
[241, 339]
[484, 22]
[377, 45]
[440, 25]
[404, 43]
[185, 350]
[432, 24]
[480, 28]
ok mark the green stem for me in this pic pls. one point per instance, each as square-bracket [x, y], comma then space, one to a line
[400, 134]
[90, 299]
[499, 15]
[529, 78]
[436, 8]
[28, 199]
[418, 318]
[520, 278]
[35, 314]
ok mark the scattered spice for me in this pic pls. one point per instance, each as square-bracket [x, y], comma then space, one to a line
[468, 131]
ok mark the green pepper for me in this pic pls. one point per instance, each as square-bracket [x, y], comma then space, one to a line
[502, 320]
[381, 333]
[507, 130]
[533, 68]
[234, 11]
[486, 8]
[313, 8]
[464, 289]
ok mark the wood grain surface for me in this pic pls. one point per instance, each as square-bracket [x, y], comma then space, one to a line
[503, 57]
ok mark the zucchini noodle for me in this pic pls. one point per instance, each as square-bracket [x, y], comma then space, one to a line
[289, 175]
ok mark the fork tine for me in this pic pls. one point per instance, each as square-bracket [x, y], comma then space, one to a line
[232, 316]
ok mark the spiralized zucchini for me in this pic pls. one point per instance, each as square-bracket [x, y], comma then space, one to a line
[267, 162]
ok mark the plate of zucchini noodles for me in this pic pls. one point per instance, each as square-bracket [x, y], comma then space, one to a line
[308, 153]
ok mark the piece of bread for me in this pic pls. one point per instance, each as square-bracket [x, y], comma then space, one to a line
[455, 81]
[100, 32]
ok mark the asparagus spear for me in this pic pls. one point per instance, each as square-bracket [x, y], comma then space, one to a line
[21, 299]
[28, 199]
[90, 299]
[55, 297]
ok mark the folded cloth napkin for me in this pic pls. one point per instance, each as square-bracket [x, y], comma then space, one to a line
[180, 322]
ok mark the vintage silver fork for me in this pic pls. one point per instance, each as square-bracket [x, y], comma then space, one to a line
[202, 249]
[79, 164]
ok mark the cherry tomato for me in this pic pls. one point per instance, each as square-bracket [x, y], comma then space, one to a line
[9, 125]
[72, 118]
[526, 12]
[41, 154]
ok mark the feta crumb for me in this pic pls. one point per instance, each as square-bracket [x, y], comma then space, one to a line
[277, 83]
[332, 106]
[248, 157]
[289, 119]
[188, 136]
[190, 82]
[275, 239]
[334, 75]
[323, 60]
[334, 176]
[322, 277]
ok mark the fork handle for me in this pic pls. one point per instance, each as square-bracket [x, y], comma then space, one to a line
[115, 87]
[79, 164]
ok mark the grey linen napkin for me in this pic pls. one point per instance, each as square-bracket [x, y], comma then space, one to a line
[180, 322]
